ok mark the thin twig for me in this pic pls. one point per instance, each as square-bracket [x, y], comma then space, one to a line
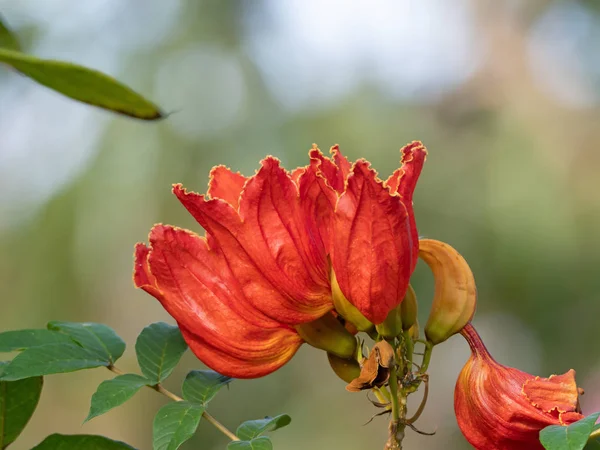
[161, 389]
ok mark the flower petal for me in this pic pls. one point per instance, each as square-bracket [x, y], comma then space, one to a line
[226, 185]
[403, 182]
[340, 161]
[259, 358]
[271, 240]
[372, 251]
[318, 200]
[196, 287]
[335, 170]
[559, 392]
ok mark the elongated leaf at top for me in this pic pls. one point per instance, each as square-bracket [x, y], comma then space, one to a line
[83, 84]
[17, 340]
[254, 428]
[18, 400]
[80, 442]
[50, 359]
[159, 348]
[115, 392]
[95, 337]
[260, 443]
[573, 437]
[7, 37]
[174, 424]
[200, 386]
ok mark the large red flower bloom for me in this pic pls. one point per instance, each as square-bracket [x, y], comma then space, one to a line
[501, 408]
[264, 265]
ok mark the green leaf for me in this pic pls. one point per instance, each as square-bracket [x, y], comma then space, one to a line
[254, 428]
[200, 386]
[593, 445]
[49, 359]
[80, 442]
[7, 38]
[18, 340]
[159, 348]
[82, 84]
[260, 443]
[115, 392]
[95, 337]
[174, 424]
[18, 400]
[573, 437]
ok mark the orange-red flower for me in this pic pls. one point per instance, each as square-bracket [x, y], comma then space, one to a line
[264, 265]
[501, 408]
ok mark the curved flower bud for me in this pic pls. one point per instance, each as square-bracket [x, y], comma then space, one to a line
[502, 408]
[374, 245]
[455, 294]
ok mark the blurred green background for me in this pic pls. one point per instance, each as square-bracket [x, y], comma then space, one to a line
[505, 95]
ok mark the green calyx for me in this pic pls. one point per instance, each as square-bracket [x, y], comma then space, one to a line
[346, 309]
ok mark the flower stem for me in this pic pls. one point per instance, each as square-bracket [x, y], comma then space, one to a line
[426, 357]
[594, 435]
[409, 349]
[160, 389]
[398, 400]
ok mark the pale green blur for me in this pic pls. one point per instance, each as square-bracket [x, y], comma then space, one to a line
[511, 181]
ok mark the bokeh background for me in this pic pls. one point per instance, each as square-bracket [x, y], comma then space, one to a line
[505, 94]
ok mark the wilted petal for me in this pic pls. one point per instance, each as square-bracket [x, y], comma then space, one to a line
[196, 287]
[271, 236]
[372, 252]
[226, 185]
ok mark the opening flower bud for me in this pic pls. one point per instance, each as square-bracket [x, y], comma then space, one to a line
[455, 295]
[346, 309]
[502, 408]
[346, 369]
[327, 333]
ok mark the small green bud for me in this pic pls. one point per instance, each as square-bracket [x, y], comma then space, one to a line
[327, 333]
[346, 369]
[409, 309]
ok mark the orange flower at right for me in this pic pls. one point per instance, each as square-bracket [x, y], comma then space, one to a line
[501, 408]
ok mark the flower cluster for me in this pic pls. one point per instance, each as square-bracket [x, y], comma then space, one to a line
[318, 255]
[243, 293]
